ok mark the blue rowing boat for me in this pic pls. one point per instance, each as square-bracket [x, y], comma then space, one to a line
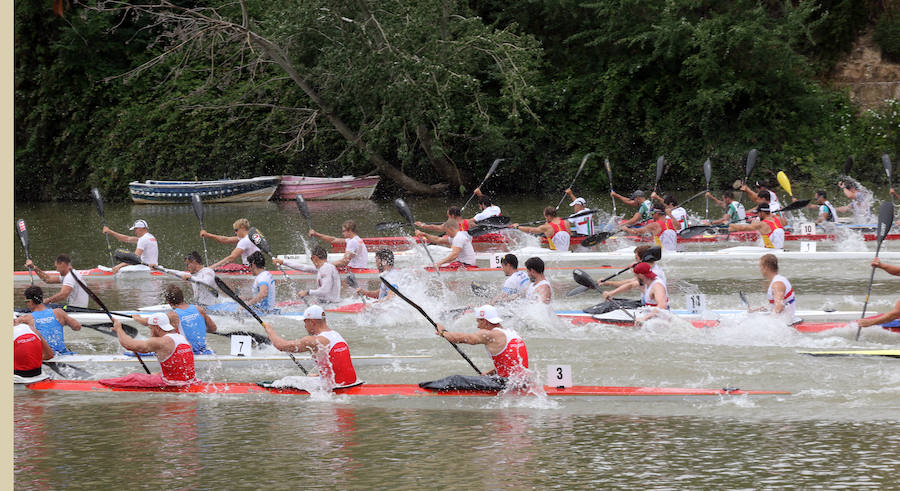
[219, 191]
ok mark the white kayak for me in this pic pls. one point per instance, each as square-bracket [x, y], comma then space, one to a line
[619, 316]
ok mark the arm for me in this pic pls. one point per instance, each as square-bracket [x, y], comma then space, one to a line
[659, 294]
[623, 288]
[66, 320]
[61, 295]
[751, 194]
[883, 318]
[454, 253]
[570, 194]
[236, 253]
[210, 324]
[263, 293]
[46, 350]
[778, 292]
[631, 221]
[327, 284]
[616, 283]
[717, 200]
[129, 239]
[426, 226]
[306, 343]
[222, 239]
[478, 192]
[889, 268]
[306, 268]
[543, 229]
[24, 319]
[656, 197]
[143, 346]
[543, 292]
[479, 337]
[746, 227]
[434, 239]
[46, 278]
[651, 227]
[725, 219]
[623, 199]
[327, 238]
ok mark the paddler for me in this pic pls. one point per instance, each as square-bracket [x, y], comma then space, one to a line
[244, 247]
[662, 228]
[488, 209]
[30, 350]
[859, 200]
[49, 322]
[644, 205]
[655, 293]
[886, 317]
[780, 293]
[171, 349]
[734, 210]
[356, 255]
[770, 228]
[453, 213]
[763, 189]
[193, 321]
[677, 213]
[328, 348]
[384, 261]
[506, 347]
[328, 282]
[894, 194]
[827, 211]
[581, 225]
[146, 248]
[263, 284]
[194, 265]
[556, 230]
[462, 253]
[71, 290]
[516, 281]
[642, 253]
[539, 290]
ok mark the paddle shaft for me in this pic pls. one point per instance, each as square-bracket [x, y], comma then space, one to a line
[421, 311]
[198, 210]
[578, 173]
[98, 200]
[108, 314]
[885, 221]
[486, 176]
[22, 230]
[609, 175]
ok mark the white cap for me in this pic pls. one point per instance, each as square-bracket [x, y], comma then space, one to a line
[488, 313]
[139, 224]
[161, 320]
[578, 201]
[313, 312]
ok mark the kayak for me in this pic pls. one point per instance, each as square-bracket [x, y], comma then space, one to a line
[201, 362]
[401, 390]
[802, 326]
[618, 317]
[889, 353]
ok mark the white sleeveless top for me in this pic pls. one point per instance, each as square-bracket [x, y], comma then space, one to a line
[789, 299]
[645, 297]
[531, 293]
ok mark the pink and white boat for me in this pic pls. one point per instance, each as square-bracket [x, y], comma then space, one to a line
[326, 188]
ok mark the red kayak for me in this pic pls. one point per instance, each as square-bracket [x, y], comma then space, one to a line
[802, 326]
[403, 390]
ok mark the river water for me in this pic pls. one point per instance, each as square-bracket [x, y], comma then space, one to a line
[840, 427]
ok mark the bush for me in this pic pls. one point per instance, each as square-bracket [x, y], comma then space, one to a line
[887, 35]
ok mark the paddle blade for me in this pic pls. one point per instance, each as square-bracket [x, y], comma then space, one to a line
[259, 240]
[885, 220]
[653, 254]
[751, 162]
[481, 230]
[785, 182]
[608, 171]
[127, 257]
[660, 163]
[479, 290]
[301, 205]
[592, 240]
[744, 299]
[886, 161]
[98, 200]
[583, 161]
[351, 280]
[228, 291]
[197, 203]
[578, 290]
[403, 209]
[848, 164]
[693, 231]
[796, 205]
[388, 225]
[582, 278]
[707, 172]
[493, 168]
[497, 220]
[22, 230]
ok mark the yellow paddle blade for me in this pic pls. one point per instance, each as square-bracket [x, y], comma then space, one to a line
[785, 182]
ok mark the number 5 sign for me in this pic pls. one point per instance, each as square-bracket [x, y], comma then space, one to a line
[559, 375]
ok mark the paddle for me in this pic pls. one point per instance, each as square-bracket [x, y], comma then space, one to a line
[57, 365]
[885, 222]
[744, 300]
[108, 314]
[130, 330]
[401, 207]
[886, 162]
[22, 230]
[785, 182]
[751, 162]
[397, 292]
[490, 171]
[692, 198]
[98, 201]
[228, 291]
[580, 168]
[707, 172]
[594, 239]
[480, 290]
[609, 175]
[351, 281]
[198, 210]
[259, 240]
[132, 258]
[578, 290]
[848, 164]
[796, 205]
[693, 231]
[304, 210]
[585, 280]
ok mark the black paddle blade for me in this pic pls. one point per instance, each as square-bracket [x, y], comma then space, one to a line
[403, 209]
[751, 162]
[257, 337]
[127, 257]
[98, 200]
[848, 164]
[578, 290]
[479, 290]
[481, 230]
[796, 205]
[351, 280]
[707, 172]
[22, 230]
[886, 161]
[498, 220]
[660, 163]
[744, 299]
[259, 240]
[197, 203]
[693, 231]
[301, 205]
[582, 278]
[592, 240]
[228, 291]
[885, 219]
[653, 254]
[388, 225]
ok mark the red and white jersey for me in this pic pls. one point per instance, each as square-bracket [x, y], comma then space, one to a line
[28, 353]
[789, 298]
[560, 239]
[178, 368]
[333, 360]
[513, 359]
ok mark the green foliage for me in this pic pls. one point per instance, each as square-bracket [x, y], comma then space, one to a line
[887, 34]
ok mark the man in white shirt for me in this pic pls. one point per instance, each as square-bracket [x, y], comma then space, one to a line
[146, 248]
[71, 289]
[244, 247]
[356, 255]
[488, 209]
[516, 281]
[462, 253]
[328, 283]
[384, 261]
[263, 284]
[677, 213]
[202, 296]
[581, 225]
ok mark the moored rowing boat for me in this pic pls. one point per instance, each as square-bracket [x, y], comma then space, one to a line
[401, 390]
